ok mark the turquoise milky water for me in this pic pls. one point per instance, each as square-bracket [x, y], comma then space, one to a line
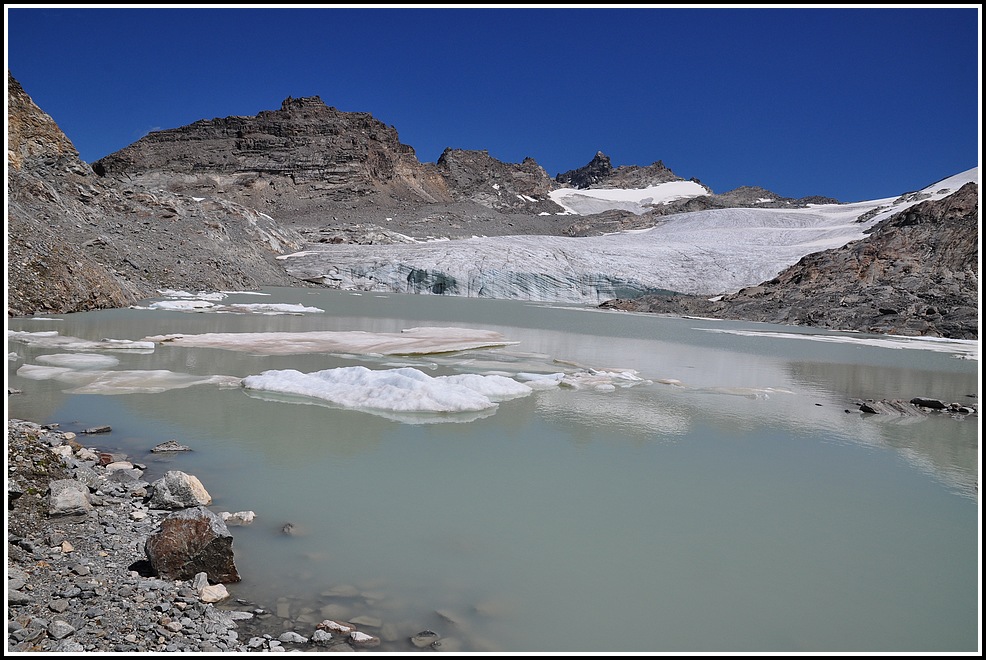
[729, 503]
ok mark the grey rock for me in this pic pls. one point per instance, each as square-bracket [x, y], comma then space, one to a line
[68, 497]
[177, 490]
[321, 638]
[68, 646]
[425, 638]
[16, 578]
[170, 446]
[292, 637]
[925, 402]
[59, 629]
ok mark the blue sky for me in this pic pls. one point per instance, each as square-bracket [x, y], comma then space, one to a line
[850, 103]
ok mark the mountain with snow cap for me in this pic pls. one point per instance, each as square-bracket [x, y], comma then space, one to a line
[314, 196]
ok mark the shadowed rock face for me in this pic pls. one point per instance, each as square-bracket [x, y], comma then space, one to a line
[917, 274]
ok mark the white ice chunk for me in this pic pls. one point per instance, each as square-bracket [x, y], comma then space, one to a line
[181, 305]
[603, 380]
[401, 390]
[494, 387]
[541, 381]
[79, 360]
[274, 308]
[202, 295]
[968, 348]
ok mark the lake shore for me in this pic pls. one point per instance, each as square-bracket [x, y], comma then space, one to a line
[82, 583]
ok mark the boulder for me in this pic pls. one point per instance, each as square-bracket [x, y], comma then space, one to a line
[68, 497]
[177, 490]
[191, 541]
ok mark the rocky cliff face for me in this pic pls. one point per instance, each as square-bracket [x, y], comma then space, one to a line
[301, 160]
[76, 243]
[475, 176]
[917, 274]
[325, 171]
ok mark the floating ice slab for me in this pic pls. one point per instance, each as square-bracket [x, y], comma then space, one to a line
[195, 305]
[962, 348]
[51, 339]
[404, 389]
[122, 382]
[79, 360]
[413, 341]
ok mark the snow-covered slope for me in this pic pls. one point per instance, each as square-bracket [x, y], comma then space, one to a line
[635, 200]
[704, 253]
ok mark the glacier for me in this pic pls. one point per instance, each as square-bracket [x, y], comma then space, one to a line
[702, 253]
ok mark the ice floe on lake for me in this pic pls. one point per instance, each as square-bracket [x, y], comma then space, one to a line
[52, 339]
[404, 389]
[79, 360]
[411, 341]
[199, 305]
[87, 381]
[962, 348]
[184, 301]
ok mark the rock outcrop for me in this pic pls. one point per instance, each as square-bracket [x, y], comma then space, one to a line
[600, 173]
[77, 242]
[917, 274]
[475, 176]
[296, 162]
[750, 197]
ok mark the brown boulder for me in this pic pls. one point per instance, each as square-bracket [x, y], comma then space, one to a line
[191, 541]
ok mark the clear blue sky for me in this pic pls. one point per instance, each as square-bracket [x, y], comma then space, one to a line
[844, 102]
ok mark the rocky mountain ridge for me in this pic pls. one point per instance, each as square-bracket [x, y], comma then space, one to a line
[212, 205]
[75, 242]
[916, 275]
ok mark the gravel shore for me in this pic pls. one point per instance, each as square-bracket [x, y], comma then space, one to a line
[82, 583]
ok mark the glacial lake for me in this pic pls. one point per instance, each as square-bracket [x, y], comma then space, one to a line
[692, 485]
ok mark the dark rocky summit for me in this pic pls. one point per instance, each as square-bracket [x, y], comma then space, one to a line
[295, 161]
[916, 275]
[600, 173]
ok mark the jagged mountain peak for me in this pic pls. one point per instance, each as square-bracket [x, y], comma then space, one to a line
[600, 173]
[302, 102]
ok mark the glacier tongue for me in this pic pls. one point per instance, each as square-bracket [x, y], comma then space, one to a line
[412, 272]
[702, 253]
